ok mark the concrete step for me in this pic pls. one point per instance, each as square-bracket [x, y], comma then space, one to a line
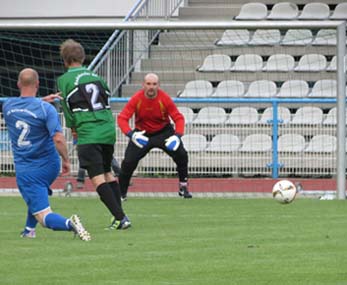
[179, 52]
[183, 64]
[208, 13]
[174, 77]
[241, 2]
[200, 53]
[172, 89]
[189, 37]
[192, 3]
[166, 77]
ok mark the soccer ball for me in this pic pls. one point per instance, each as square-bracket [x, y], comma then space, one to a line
[284, 192]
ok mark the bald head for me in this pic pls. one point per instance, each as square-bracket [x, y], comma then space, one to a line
[28, 82]
[151, 76]
[150, 85]
[27, 77]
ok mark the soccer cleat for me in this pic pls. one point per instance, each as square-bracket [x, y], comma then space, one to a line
[78, 228]
[124, 198]
[120, 225]
[183, 192]
[28, 233]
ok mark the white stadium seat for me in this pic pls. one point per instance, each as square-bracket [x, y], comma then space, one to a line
[297, 37]
[283, 115]
[312, 62]
[262, 88]
[224, 143]
[280, 62]
[284, 11]
[294, 88]
[291, 143]
[243, 116]
[197, 88]
[234, 37]
[331, 117]
[252, 11]
[332, 66]
[322, 143]
[257, 143]
[308, 115]
[325, 37]
[340, 12]
[229, 88]
[187, 113]
[211, 116]
[216, 63]
[266, 37]
[315, 11]
[194, 142]
[248, 62]
[324, 88]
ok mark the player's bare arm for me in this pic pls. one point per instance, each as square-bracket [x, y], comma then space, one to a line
[52, 97]
[60, 144]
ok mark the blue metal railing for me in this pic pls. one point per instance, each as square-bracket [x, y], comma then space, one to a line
[274, 102]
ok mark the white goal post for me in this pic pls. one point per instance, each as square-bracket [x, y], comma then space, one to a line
[339, 26]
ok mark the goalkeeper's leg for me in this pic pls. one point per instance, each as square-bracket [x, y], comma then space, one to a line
[132, 156]
[180, 157]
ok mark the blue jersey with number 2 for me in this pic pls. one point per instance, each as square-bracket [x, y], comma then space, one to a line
[31, 124]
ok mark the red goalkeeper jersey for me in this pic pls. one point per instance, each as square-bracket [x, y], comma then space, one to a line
[151, 115]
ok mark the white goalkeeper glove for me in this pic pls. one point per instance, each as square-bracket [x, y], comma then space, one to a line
[172, 143]
[138, 138]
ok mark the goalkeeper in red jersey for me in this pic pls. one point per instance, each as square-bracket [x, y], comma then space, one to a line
[153, 109]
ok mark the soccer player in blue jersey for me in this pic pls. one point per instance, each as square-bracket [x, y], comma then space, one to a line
[37, 141]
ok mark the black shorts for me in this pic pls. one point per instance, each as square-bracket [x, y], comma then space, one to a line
[95, 158]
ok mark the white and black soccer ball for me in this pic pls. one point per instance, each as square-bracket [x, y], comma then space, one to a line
[284, 191]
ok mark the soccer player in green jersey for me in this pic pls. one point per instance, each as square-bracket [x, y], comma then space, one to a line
[87, 112]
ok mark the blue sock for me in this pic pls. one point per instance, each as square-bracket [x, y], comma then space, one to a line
[57, 222]
[31, 222]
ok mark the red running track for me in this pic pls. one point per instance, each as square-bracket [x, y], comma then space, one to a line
[224, 185]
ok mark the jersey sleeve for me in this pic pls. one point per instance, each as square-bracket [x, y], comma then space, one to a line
[67, 114]
[176, 116]
[125, 115]
[52, 119]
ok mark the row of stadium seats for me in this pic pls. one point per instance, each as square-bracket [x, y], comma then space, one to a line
[325, 88]
[295, 37]
[312, 62]
[306, 115]
[260, 143]
[290, 11]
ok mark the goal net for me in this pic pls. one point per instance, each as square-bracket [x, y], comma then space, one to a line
[259, 102]
[40, 50]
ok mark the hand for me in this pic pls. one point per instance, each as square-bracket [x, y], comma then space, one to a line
[74, 136]
[51, 97]
[138, 138]
[172, 143]
[65, 167]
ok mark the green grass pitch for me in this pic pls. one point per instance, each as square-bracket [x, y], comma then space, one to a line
[176, 241]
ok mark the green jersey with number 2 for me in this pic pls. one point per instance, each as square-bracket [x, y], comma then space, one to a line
[86, 106]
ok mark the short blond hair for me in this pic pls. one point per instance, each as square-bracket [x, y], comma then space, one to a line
[72, 51]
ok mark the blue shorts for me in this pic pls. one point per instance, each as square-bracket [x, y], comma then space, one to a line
[33, 185]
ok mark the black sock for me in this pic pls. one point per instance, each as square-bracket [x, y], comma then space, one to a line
[108, 198]
[116, 191]
[123, 184]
